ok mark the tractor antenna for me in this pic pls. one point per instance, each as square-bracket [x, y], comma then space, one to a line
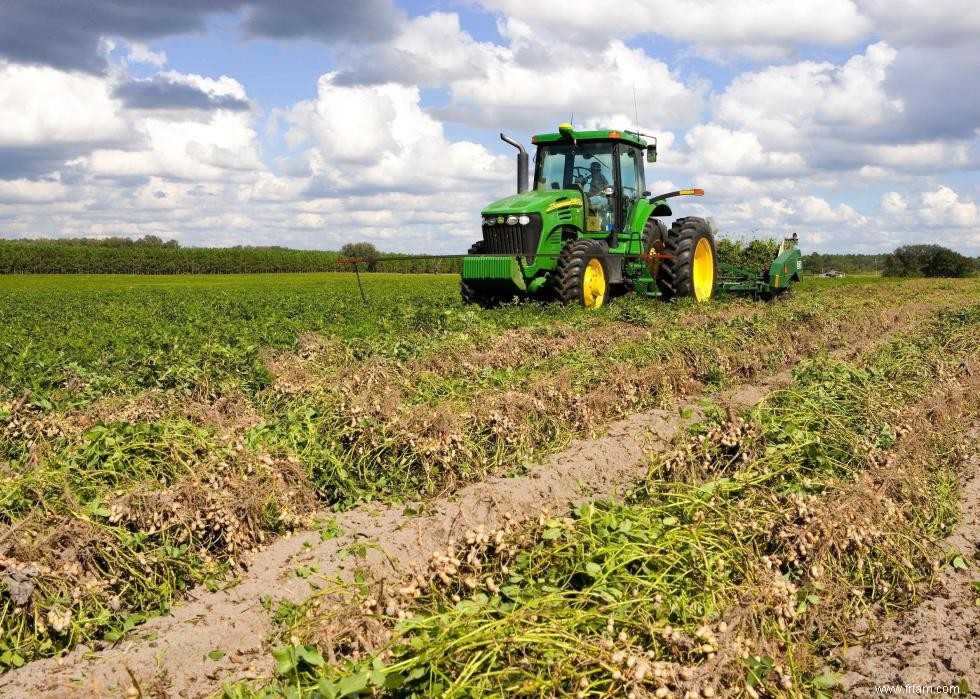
[636, 112]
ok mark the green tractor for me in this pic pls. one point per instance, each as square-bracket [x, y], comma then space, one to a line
[588, 230]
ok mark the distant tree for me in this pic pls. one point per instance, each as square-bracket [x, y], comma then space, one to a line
[927, 261]
[364, 250]
[815, 263]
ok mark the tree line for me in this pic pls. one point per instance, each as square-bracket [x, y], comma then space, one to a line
[152, 255]
[905, 261]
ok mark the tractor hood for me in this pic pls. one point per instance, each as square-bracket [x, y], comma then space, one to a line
[535, 201]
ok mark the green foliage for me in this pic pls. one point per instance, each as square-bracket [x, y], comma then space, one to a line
[927, 261]
[755, 255]
[151, 241]
[151, 255]
[849, 263]
[365, 251]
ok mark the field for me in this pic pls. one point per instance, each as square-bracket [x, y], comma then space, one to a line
[259, 485]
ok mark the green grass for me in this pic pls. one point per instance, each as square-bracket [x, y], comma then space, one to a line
[814, 282]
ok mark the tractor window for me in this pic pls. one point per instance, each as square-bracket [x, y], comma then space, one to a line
[629, 171]
[550, 170]
[631, 176]
[565, 166]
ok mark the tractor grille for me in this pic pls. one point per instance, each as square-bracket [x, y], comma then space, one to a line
[501, 239]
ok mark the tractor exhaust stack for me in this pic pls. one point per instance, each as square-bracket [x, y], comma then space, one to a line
[521, 163]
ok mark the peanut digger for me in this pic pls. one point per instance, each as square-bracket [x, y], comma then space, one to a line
[588, 229]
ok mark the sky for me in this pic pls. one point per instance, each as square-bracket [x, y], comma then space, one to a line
[309, 124]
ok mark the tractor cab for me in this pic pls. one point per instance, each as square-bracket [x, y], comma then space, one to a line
[605, 168]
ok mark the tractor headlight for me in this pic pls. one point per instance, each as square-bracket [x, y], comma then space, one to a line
[488, 221]
[524, 220]
[511, 220]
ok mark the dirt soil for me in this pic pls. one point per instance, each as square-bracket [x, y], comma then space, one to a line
[168, 655]
[936, 644]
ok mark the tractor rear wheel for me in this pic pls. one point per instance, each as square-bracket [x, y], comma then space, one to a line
[471, 295]
[582, 273]
[692, 269]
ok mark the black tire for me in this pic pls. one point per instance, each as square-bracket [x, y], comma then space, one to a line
[573, 261]
[675, 278]
[471, 295]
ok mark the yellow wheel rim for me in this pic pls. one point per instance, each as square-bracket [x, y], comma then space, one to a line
[704, 270]
[593, 284]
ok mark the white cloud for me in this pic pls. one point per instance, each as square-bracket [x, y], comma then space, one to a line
[930, 23]
[762, 29]
[529, 84]
[824, 118]
[34, 191]
[223, 86]
[943, 207]
[853, 96]
[894, 203]
[589, 83]
[786, 104]
[140, 53]
[223, 148]
[45, 107]
[429, 50]
[379, 137]
[719, 150]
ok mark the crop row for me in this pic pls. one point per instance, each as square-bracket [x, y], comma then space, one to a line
[387, 428]
[737, 565]
[120, 490]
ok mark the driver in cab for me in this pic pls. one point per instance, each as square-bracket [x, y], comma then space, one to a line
[597, 198]
[597, 181]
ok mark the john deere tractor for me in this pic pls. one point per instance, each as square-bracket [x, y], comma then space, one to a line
[588, 229]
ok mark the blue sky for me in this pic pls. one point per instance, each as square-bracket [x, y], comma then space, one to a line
[311, 124]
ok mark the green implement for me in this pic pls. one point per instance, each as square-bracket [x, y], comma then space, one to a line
[786, 269]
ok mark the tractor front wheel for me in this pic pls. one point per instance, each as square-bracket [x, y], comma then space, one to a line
[582, 273]
[691, 271]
